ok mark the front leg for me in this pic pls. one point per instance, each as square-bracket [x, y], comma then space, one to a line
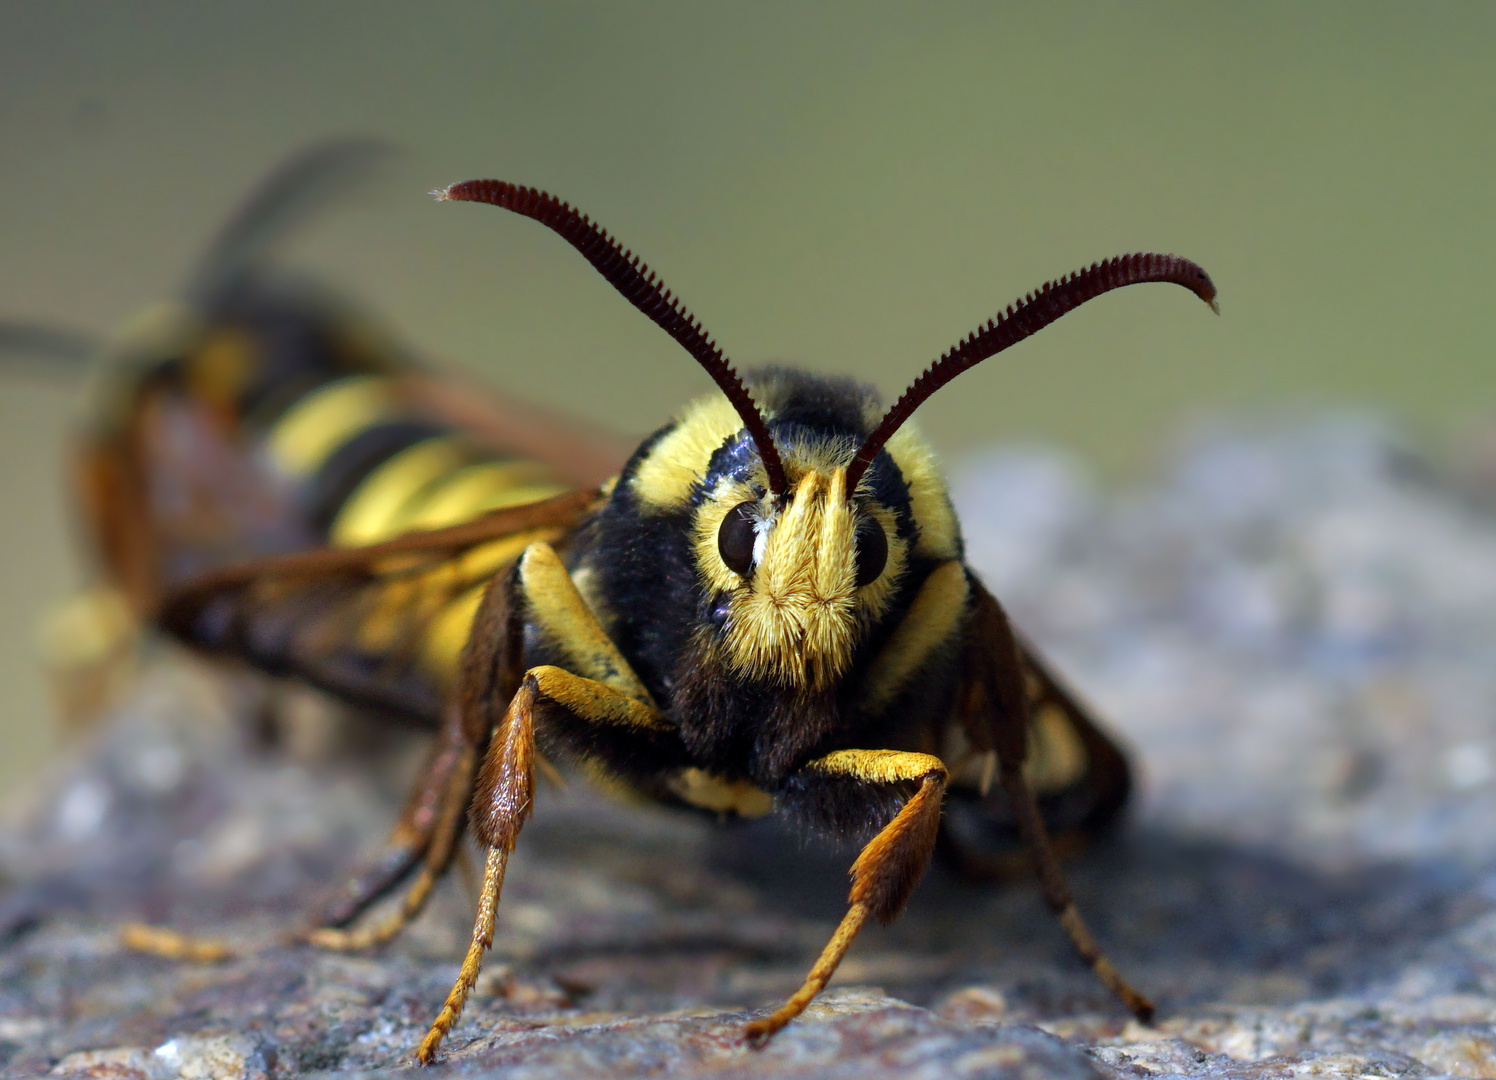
[841, 789]
[506, 787]
[606, 702]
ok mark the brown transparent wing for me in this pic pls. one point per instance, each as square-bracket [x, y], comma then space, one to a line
[578, 453]
[381, 626]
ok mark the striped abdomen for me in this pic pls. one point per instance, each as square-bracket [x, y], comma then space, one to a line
[361, 466]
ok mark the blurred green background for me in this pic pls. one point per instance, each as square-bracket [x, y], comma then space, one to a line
[850, 187]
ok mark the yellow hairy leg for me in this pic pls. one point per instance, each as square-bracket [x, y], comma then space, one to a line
[159, 941]
[607, 694]
[887, 868]
[505, 796]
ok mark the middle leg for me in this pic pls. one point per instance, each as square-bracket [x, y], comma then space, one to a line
[997, 702]
[425, 835]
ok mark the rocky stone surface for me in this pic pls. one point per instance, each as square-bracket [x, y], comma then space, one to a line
[1294, 628]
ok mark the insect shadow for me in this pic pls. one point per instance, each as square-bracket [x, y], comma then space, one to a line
[643, 909]
[1204, 919]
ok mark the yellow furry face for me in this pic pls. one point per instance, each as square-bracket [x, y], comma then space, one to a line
[796, 617]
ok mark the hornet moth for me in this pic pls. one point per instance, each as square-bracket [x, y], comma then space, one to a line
[767, 609]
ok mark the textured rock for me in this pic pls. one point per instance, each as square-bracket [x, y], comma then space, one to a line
[1294, 628]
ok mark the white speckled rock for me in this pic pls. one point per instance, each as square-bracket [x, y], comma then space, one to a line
[1295, 629]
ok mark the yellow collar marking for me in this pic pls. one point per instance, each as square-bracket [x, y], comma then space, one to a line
[666, 477]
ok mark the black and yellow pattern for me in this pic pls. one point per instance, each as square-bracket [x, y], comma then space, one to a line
[256, 416]
[356, 465]
[361, 462]
[766, 609]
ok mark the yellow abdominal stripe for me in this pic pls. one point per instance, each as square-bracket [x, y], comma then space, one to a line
[375, 510]
[418, 610]
[473, 489]
[447, 633]
[433, 609]
[432, 485]
[327, 418]
[1057, 759]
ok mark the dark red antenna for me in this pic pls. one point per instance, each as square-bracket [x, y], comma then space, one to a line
[1030, 315]
[640, 287]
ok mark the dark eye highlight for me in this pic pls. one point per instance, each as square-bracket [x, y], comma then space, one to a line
[735, 539]
[872, 550]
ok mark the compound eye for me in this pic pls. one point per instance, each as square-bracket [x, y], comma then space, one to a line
[872, 550]
[736, 537]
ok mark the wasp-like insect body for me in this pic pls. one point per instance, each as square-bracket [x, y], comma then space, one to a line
[256, 414]
[767, 609]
